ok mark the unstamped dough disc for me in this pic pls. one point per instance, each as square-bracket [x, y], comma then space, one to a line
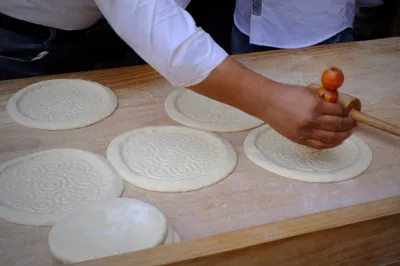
[177, 238]
[273, 152]
[105, 228]
[171, 158]
[43, 187]
[169, 239]
[62, 104]
[195, 110]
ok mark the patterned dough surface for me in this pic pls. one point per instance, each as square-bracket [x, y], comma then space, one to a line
[60, 104]
[195, 110]
[273, 152]
[42, 188]
[108, 227]
[171, 158]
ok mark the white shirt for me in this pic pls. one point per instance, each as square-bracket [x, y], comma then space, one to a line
[160, 31]
[292, 23]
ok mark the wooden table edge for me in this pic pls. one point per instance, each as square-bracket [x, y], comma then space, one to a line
[235, 246]
[344, 224]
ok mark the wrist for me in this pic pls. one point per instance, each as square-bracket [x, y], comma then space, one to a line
[235, 85]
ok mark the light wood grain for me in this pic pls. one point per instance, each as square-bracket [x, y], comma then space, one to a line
[250, 196]
[355, 235]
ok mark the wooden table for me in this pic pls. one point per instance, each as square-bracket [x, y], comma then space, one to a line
[252, 217]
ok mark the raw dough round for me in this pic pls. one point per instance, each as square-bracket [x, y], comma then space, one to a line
[195, 110]
[43, 187]
[62, 104]
[171, 158]
[169, 239]
[273, 152]
[177, 238]
[105, 228]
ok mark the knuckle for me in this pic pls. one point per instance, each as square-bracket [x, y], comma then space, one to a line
[336, 136]
[315, 107]
[308, 120]
[318, 145]
[330, 137]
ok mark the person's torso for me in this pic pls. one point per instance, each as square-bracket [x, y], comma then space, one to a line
[292, 23]
[60, 14]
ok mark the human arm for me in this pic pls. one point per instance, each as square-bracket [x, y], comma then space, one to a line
[295, 112]
[166, 37]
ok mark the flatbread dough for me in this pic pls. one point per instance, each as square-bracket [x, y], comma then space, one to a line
[62, 104]
[171, 158]
[105, 228]
[43, 187]
[169, 239]
[273, 152]
[195, 110]
[177, 238]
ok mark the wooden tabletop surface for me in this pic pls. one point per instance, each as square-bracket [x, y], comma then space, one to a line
[249, 196]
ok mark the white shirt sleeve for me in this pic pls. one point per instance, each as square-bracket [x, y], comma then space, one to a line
[166, 37]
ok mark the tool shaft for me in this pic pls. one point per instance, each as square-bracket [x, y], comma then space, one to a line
[375, 122]
[354, 104]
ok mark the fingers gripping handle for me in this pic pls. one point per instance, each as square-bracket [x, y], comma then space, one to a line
[354, 104]
[348, 101]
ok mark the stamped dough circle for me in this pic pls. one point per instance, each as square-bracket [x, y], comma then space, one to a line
[171, 158]
[42, 188]
[195, 110]
[61, 104]
[273, 152]
[105, 228]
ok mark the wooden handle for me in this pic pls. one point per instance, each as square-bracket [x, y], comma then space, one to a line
[375, 122]
[354, 104]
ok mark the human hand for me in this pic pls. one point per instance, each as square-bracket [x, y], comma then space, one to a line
[296, 112]
[303, 117]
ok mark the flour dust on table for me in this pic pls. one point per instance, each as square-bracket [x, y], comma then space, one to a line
[171, 158]
[109, 227]
[61, 104]
[42, 188]
[197, 111]
[273, 152]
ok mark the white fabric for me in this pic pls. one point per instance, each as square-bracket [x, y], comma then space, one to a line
[293, 23]
[160, 31]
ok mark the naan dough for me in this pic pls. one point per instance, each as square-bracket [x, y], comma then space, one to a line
[43, 187]
[195, 110]
[171, 158]
[177, 238]
[62, 104]
[169, 239]
[107, 227]
[273, 152]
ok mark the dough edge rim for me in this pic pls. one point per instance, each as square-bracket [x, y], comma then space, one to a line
[113, 155]
[20, 218]
[96, 203]
[20, 118]
[179, 117]
[253, 154]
